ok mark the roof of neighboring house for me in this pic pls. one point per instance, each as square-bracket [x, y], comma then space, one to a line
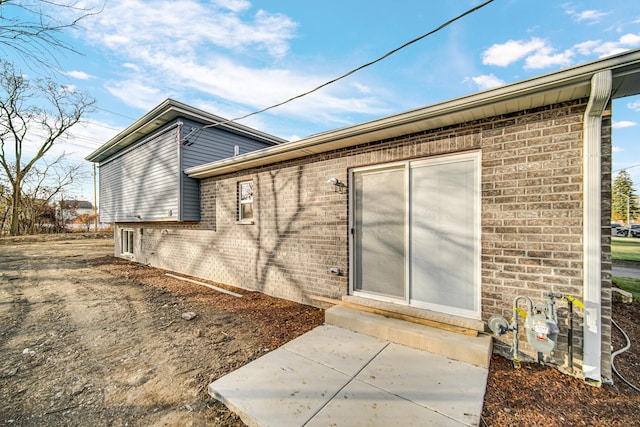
[565, 85]
[75, 204]
[165, 113]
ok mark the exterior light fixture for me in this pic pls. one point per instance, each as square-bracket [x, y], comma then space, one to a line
[334, 185]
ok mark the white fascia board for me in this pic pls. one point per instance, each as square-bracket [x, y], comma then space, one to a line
[572, 83]
[164, 113]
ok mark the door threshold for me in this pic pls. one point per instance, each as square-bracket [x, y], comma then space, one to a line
[461, 325]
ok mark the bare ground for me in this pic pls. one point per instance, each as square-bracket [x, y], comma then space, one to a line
[88, 339]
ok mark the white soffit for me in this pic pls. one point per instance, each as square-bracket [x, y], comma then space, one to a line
[570, 84]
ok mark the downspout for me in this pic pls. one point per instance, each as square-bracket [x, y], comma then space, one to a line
[601, 83]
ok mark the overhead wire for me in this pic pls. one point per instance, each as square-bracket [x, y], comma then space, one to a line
[347, 74]
[622, 169]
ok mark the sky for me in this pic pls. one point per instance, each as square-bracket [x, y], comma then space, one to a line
[233, 57]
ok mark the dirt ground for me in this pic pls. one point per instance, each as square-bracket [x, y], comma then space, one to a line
[88, 339]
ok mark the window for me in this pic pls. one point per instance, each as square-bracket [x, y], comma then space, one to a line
[245, 201]
[126, 242]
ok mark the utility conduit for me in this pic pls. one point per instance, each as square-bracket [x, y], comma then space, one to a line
[622, 350]
[215, 288]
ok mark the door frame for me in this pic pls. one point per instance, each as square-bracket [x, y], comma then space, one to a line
[352, 246]
[446, 158]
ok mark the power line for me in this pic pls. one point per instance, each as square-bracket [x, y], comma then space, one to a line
[113, 112]
[347, 74]
[622, 169]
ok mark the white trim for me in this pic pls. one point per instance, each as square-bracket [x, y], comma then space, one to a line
[126, 243]
[601, 85]
[560, 86]
[407, 301]
[352, 172]
[240, 217]
[397, 165]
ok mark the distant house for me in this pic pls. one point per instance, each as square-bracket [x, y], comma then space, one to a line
[449, 211]
[71, 209]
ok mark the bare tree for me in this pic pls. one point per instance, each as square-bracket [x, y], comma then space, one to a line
[33, 30]
[40, 189]
[33, 116]
[5, 204]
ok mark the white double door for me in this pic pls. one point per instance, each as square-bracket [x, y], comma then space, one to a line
[415, 234]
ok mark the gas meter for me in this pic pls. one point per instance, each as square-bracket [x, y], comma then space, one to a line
[540, 325]
[542, 332]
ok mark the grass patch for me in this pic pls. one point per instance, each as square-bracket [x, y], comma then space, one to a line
[628, 284]
[625, 248]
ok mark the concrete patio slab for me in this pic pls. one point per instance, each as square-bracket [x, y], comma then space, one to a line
[338, 348]
[334, 376]
[361, 404]
[279, 389]
[446, 386]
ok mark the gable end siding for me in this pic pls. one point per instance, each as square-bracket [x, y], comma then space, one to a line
[142, 184]
[204, 146]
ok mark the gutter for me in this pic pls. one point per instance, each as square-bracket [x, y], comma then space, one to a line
[572, 83]
[601, 84]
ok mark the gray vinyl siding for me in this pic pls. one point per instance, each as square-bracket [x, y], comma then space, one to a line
[207, 145]
[143, 183]
[146, 182]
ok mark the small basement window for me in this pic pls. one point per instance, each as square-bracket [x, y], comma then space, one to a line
[126, 242]
[245, 201]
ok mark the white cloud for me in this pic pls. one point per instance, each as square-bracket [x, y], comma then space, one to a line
[635, 106]
[607, 48]
[221, 49]
[136, 94]
[362, 88]
[507, 53]
[617, 149]
[486, 81]
[630, 40]
[233, 5]
[544, 58]
[81, 75]
[588, 47]
[623, 124]
[593, 16]
[186, 26]
[131, 66]
[538, 53]
[68, 88]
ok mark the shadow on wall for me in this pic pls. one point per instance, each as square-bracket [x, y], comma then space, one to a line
[285, 228]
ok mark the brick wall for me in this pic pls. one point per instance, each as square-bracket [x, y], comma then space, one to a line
[606, 246]
[531, 217]
[532, 213]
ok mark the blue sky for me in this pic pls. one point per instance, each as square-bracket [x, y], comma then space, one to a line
[236, 56]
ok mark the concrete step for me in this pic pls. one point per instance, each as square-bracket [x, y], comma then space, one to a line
[464, 348]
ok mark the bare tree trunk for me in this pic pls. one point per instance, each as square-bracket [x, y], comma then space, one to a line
[14, 228]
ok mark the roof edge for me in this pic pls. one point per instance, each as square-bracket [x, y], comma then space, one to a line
[164, 113]
[578, 76]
